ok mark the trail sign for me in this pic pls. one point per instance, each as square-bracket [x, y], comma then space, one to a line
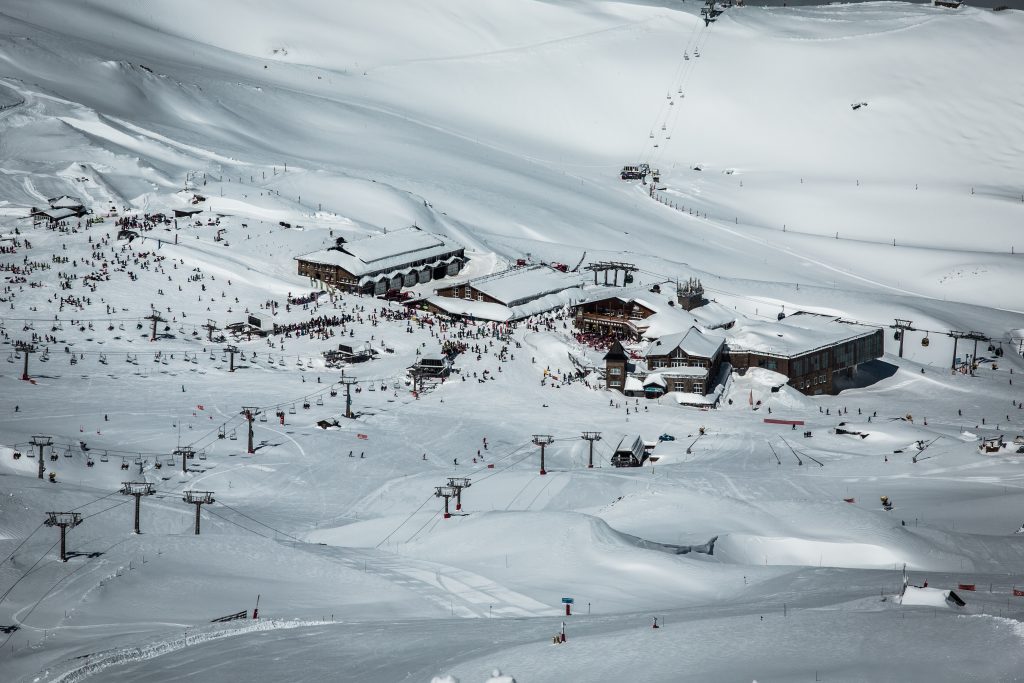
[568, 601]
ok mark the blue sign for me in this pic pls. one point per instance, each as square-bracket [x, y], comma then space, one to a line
[568, 601]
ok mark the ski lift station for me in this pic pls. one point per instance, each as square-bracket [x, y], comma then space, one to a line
[393, 260]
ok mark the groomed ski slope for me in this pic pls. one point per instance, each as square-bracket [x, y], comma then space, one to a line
[503, 126]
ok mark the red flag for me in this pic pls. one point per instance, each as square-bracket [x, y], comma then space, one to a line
[1018, 593]
[200, 407]
[362, 436]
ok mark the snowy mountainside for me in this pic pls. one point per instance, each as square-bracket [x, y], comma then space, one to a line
[503, 125]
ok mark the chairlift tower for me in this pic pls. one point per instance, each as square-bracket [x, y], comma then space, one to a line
[456, 484]
[543, 440]
[613, 267]
[902, 327]
[250, 413]
[446, 493]
[210, 327]
[41, 442]
[591, 437]
[154, 318]
[137, 489]
[63, 520]
[24, 348]
[231, 350]
[185, 452]
[348, 382]
[199, 499]
[971, 336]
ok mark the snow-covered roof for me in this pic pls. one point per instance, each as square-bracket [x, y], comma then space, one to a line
[692, 341]
[713, 315]
[480, 310]
[519, 285]
[655, 379]
[58, 214]
[387, 252]
[668, 316]
[794, 335]
[65, 202]
[633, 384]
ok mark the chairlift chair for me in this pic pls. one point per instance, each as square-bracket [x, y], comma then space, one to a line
[124, 464]
[156, 464]
[291, 409]
[53, 455]
[651, 135]
[104, 458]
[925, 341]
[67, 452]
[170, 461]
[233, 437]
[202, 455]
[263, 417]
[319, 400]
[221, 433]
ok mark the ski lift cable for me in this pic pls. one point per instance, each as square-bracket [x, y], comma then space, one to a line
[681, 76]
[23, 541]
[677, 111]
[57, 583]
[675, 79]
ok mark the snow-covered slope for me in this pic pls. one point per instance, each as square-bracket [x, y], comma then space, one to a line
[503, 125]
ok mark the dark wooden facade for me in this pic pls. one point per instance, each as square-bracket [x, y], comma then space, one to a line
[611, 317]
[466, 290]
[682, 371]
[616, 364]
[812, 371]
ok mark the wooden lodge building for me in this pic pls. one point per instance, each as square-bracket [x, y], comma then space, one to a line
[688, 362]
[393, 260]
[811, 349]
[633, 314]
[60, 208]
[507, 295]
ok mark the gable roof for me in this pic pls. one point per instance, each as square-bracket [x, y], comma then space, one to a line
[519, 285]
[386, 252]
[795, 335]
[693, 342]
[65, 202]
[616, 352]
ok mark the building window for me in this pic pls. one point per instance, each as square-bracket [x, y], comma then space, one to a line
[614, 372]
[698, 388]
